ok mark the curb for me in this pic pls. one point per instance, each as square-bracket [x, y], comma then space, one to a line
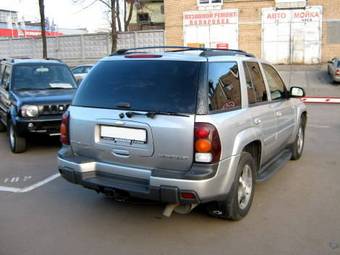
[321, 100]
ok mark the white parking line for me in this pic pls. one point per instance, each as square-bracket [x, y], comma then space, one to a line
[317, 126]
[30, 188]
[15, 179]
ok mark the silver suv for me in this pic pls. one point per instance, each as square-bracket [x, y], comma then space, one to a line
[184, 126]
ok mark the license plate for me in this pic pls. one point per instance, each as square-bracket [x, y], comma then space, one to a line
[122, 133]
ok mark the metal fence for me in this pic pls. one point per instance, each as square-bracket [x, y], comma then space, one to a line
[78, 49]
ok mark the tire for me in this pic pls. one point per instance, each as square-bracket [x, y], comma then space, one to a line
[299, 143]
[2, 127]
[17, 143]
[238, 202]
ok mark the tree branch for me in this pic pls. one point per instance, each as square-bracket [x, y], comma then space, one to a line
[106, 3]
[118, 16]
[127, 22]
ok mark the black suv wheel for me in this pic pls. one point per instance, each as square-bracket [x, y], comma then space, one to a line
[299, 142]
[16, 142]
[240, 197]
[2, 127]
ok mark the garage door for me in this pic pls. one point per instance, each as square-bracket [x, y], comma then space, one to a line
[214, 29]
[292, 36]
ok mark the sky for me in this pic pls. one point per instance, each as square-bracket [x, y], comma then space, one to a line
[65, 13]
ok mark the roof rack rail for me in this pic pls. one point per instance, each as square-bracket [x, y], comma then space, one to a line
[20, 57]
[12, 59]
[56, 59]
[178, 48]
[211, 52]
[206, 52]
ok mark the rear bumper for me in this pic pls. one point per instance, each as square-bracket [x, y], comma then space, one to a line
[336, 78]
[143, 183]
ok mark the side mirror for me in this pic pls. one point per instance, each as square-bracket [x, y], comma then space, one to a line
[297, 92]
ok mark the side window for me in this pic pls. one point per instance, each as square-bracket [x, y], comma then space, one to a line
[2, 68]
[276, 85]
[6, 76]
[87, 69]
[224, 86]
[255, 84]
[77, 70]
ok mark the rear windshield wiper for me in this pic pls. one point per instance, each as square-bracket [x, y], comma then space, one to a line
[168, 113]
[60, 88]
[23, 89]
[151, 115]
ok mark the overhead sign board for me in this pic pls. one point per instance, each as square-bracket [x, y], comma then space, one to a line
[211, 28]
[311, 14]
[210, 17]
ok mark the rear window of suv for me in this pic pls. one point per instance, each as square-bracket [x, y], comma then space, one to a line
[166, 86]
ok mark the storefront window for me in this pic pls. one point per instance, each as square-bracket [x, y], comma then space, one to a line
[209, 2]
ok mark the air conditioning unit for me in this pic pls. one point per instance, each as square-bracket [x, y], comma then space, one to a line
[209, 4]
[290, 4]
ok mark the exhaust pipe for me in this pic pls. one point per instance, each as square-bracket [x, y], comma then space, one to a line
[178, 208]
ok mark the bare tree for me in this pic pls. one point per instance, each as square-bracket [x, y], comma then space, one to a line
[113, 25]
[43, 29]
[127, 18]
[118, 16]
[113, 7]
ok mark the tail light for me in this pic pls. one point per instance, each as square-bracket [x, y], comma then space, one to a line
[64, 129]
[337, 72]
[207, 144]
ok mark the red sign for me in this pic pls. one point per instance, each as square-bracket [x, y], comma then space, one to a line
[311, 14]
[224, 46]
[219, 17]
[25, 33]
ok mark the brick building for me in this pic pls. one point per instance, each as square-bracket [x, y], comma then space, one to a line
[280, 31]
[147, 15]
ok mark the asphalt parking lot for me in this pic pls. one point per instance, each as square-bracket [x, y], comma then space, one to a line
[295, 212]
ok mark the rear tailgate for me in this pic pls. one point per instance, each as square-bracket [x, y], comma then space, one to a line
[163, 142]
[102, 129]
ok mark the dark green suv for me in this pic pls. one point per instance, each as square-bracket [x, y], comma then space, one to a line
[33, 96]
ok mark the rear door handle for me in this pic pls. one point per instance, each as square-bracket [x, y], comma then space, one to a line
[278, 114]
[257, 121]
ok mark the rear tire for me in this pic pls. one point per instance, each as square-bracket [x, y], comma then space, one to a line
[239, 200]
[299, 142]
[17, 143]
[2, 127]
